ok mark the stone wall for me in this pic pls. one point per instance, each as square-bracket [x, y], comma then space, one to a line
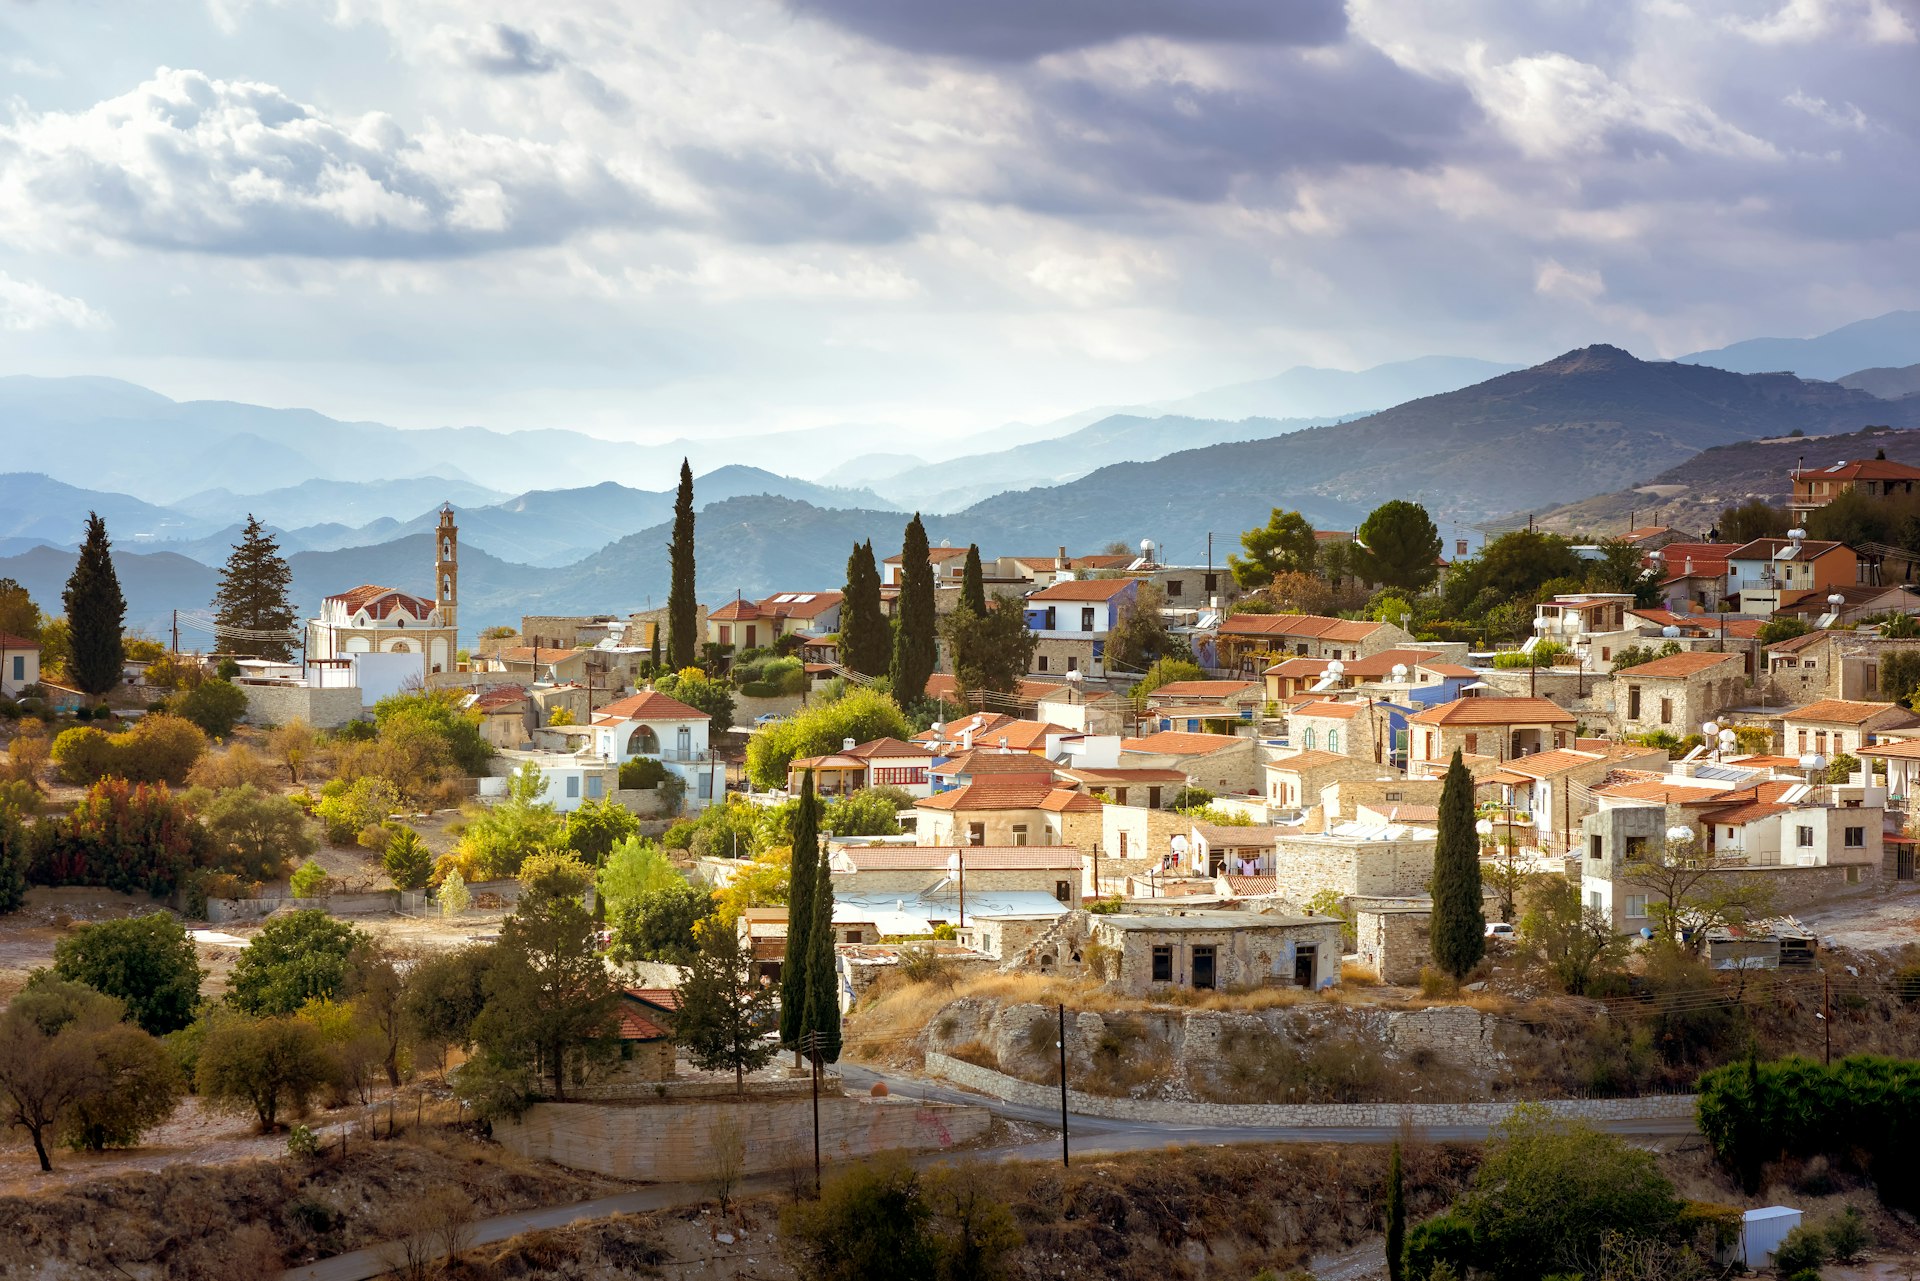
[410, 902]
[1183, 1112]
[675, 1141]
[1306, 865]
[320, 708]
[1250, 954]
[1394, 940]
[1057, 652]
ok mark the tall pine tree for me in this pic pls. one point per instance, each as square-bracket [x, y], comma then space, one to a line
[823, 976]
[864, 643]
[96, 614]
[805, 868]
[253, 596]
[1459, 913]
[915, 648]
[973, 583]
[683, 639]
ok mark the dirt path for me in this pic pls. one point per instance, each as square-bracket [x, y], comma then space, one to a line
[193, 1134]
[1878, 923]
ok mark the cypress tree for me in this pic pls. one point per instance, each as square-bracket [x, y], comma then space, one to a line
[973, 584]
[1396, 1219]
[1459, 914]
[793, 970]
[915, 649]
[683, 641]
[96, 613]
[863, 623]
[253, 595]
[823, 978]
[653, 649]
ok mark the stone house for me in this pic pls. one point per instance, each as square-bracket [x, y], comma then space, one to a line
[1344, 798]
[1009, 811]
[744, 624]
[1875, 478]
[507, 718]
[1224, 764]
[1543, 786]
[1213, 949]
[1296, 780]
[1805, 668]
[1071, 621]
[921, 869]
[1121, 785]
[1354, 858]
[1216, 849]
[1194, 705]
[646, 1040]
[949, 566]
[1136, 838]
[1393, 936]
[1496, 728]
[19, 664]
[1250, 643]
[1341, 728]
[650, 724]
[1678, 693]
[1834, 726]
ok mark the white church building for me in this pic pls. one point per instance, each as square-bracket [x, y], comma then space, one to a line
[385, 620]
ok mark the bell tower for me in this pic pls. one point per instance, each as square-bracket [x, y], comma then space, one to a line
[446, 567]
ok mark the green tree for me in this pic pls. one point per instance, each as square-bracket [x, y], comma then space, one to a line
[973, 1228]
[991, 650]
[872, 811]
[822, 1019]
[254, 834]
[1899, 675]
[1396, 1219]
[132, 838]
[19, 616]
[1755, 518]
[436, 715]
[1689, 893]
[15, 857]
[216, 706]
[1285, 544]
[725, 1012]
[1139, 636]
[295, 957]
[973, 583]
[146, 962]
[806, 869]
[498, 840]
[444, 995]
[551, 1005]
[1459, 917]
[915, 648]
[50, 1059]
[596, 827]
[866, 639]
[407, 860]
[863, 715]
[1576, 942]
[869, 1224]
[261, 1065]
[252, 597]
[1509, 570]
[660, 924]
[635, 866]
[683, 637]
[309, 880]
[1550, 1190]
[698, 690]
[1165, 672]
[138, 1085]
[1773, 631]
[1399, 547]
[96, 614]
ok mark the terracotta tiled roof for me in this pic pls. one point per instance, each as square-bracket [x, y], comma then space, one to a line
[536, 654]
[1297, 667]
[1765, 760]
[664, 998]
[1746, 812]
[837, 760]
[1494, 711]
[381, 602]
[636, 1026]
[1678, 666]
[1667, 791]
[1102, 560]
[1006, 792]
[1794, 644]
[943, 685]
[1082, 589]
[1251, 886]
[1381, 665]
[935, 858]
[501, 698]
[886, 748]
[1451, 670]
[1904, 750]
[934, 555]
[1547, 764]
[1017, 858]
[991, 760]
[1176, 743]
[1126, 777]
[9, 641]
[733, 611]
[1228, 837]
[1309, 625]
[980, 723]
[1863, 469]
[1768, 548]
[1299, 762]
[1208, 689]
[1326, 710]
[648, 706]
[1842, 711]
[1063, 801]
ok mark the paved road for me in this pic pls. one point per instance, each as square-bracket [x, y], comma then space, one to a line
[1087, 1136]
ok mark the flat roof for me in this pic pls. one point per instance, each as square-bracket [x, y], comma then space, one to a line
[1214, 921]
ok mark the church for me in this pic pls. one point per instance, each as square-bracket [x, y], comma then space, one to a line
[385, 620]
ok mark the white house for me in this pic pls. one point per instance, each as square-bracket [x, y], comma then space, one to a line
[19, 664]
[667, 730]
[385, 620]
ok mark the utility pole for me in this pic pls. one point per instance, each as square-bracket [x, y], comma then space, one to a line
[960, 858]
[1066, 1159]
[176, 631]
[813, 1052]
[1826, 1013]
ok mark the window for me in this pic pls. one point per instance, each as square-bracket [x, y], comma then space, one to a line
[1162, 963]
[596, 787]
[1633, 702]
[1396, 796]
[1470, 744]
[1073, 664]
[1052, 620]
[1086, 618]
[1203, 964]
[1040, 663]
[1820, 742]
[1803, 837]
[976, 833]
[1019, 833]
[901, 776]
[726, 634]
[1173, 587]
[1594, 846]
[1153, 797]
[573, 785]
[1636, 905]
[19, 667]
[1123, 845]
[1119, 796]
[1307, 739]
[1856, 838]
[1593, 900]
[1853, 876]
[1666, 711]
[854, 936]
[1803, 742]
[1213, 582]
[705, 792]
[1333, 740]
[1063, 890]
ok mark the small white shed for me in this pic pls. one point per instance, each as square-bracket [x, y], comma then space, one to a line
[1761, 1232]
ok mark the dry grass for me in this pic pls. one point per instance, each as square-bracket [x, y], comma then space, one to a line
[1359, 975]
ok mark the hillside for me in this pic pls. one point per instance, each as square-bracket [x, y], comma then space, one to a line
[1692, 495]
[1885, 382]
[1307, 391]
[313, 502]
[1892, 339]
[34, 506]
[1593, 420]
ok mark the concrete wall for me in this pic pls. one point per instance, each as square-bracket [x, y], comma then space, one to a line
[1014, 1090]
[411, 902]
[674, 1141]
[321, 708]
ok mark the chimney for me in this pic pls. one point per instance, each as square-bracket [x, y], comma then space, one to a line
[1003, 746]
[966, 740]
[846, 745]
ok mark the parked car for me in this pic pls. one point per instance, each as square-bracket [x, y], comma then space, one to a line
[1500, 930]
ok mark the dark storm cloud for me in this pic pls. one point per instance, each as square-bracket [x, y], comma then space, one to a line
[1021, 30]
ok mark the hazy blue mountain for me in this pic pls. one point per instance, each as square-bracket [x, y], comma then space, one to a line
[869, 468]
[154, 583]
[35, 506]
[1889, 340]
[1886, 383]
[348, 503]
[1309, 392]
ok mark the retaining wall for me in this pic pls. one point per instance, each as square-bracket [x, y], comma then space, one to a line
[677, 1141]
[321, 708]
[221, 910]
[1013, 1090]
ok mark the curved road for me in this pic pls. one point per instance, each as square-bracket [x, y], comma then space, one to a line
[1087, 1135]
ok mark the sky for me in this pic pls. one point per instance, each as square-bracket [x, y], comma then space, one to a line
[649, 219]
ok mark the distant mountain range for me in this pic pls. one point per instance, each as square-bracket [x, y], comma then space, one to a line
[1886, 383]
[1892, 339]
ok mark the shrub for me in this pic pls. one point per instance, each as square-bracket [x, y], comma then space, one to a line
[302, 1143]
[596, 827]
[216, 706]
[237, 766]
[870, 1224]
[295, 957]
[133, 838]
[407, 859]
[158, 749]
[347, 809]
[642, 773]
[260, 1065]
[83, 754]
[310, 881]
[253, 834]
[1846, 1236]
[1802, 1250]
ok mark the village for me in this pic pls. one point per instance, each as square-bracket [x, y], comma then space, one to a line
[1151, 847]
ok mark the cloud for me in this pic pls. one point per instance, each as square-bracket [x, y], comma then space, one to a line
[1844, 116]
[188, 162]
[26, 305]
[1021, 30]
[770, 198]
[509, 51]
